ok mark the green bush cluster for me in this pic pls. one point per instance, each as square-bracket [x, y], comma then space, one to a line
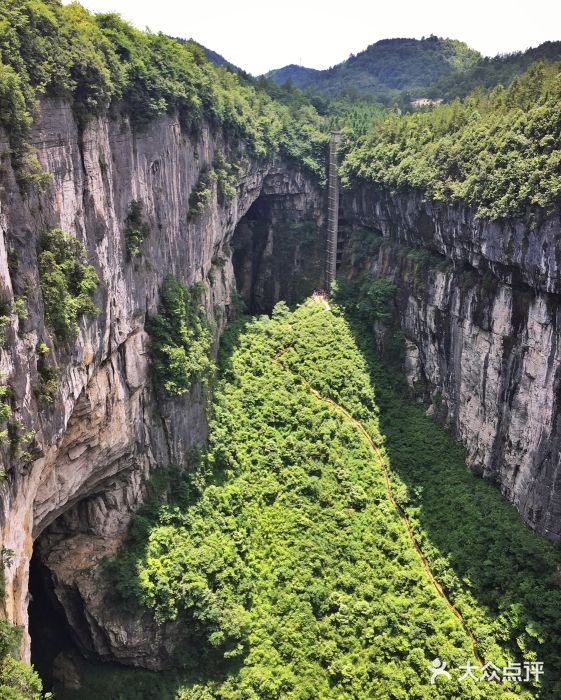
[5, 411]
[227, 174]
[136, 229]
[45, 390]
[373, 298]
[498, 152]
[67, 282]
[181, 338]
[201, 195]
[98, 60]
[224, 175]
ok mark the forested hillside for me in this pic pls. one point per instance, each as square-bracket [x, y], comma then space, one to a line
[287, 553]
[385, 69]
[486, 73]
[498, 152]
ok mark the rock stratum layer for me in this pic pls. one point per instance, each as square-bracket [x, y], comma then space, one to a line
[108, 427]
[481, 317]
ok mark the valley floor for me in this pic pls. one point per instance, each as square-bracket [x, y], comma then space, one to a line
[331, 543]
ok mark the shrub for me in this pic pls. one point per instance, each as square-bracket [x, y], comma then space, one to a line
[136, 229]
[67, 282]
[372, 298]
[227, 174]
[201, 196]
[46, 389]
[181, 338]
[18, 681]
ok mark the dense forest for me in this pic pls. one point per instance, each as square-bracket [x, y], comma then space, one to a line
[498, 152]
[294, 550]
[385, 69]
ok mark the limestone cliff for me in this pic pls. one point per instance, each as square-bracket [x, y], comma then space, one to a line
[479, 305]
[480, 315]
[108, 426]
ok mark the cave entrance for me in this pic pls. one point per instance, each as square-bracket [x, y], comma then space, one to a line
[54, 652]
[279, 248]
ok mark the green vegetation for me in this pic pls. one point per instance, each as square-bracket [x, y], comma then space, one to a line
[96, 61]
[5, 320]
[503, 578]
[487, 73]
[354, 117]
[11, 431]
[499, 153]
[288, 565]
[20, 307]
[5, 411]
[224, 174]
[227, 173]
[181, 338]
[18, 681]
[67, 282]
[385, 70]
[45, 389]
[201, 195]
[136, 229]
[373, 298]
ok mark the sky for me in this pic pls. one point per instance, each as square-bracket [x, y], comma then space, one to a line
[259, 36]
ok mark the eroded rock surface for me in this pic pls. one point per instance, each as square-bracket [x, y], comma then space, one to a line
[484, 352]
[108, 425]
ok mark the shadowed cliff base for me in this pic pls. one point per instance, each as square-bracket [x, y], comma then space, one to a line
[504, 578]
[278, 246]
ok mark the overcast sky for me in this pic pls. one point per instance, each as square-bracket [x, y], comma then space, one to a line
[260, 35]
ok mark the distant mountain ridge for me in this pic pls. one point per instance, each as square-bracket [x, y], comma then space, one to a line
[385, 67]
[400, 70]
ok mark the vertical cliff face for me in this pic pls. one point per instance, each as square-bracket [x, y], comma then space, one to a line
[479, 305]
[478, 302]
[108, 427]
[279, 245]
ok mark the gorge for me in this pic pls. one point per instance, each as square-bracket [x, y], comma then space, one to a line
[470, 320]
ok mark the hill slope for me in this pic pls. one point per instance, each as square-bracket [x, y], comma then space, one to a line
[385, 67]
[487, 73]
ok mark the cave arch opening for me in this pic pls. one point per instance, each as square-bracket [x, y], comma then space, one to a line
[278, 248]
[71, 598]
[56, 652]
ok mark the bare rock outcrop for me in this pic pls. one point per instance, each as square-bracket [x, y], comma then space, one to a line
[108, 427]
